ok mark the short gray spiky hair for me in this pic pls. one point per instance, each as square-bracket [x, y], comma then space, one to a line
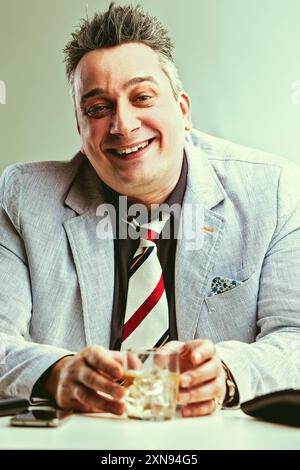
[118, 25]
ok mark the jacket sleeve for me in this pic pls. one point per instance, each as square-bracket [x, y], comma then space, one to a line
[272, 362]
[22, 361]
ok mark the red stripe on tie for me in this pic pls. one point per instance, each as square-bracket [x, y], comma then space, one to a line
[148, 234]
[144, 309]
[152, 235]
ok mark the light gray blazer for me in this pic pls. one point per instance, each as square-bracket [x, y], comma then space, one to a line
[57, 276]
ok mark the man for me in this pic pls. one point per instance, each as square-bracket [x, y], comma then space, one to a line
[233, 300]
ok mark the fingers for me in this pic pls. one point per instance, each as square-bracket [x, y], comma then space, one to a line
[202, 379]
[204, 373]
[87, 381]
[200, 400]
[196, 352]
[102, 359]
[98, 382]
[118, 356]
[91, 401]
[206, 392]
[199, 409]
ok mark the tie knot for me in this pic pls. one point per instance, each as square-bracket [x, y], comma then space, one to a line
[149, 232]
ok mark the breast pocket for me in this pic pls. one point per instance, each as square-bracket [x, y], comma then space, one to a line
[232, 314]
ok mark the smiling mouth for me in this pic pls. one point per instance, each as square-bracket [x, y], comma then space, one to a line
[131, 150]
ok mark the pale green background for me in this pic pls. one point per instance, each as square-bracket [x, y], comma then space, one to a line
[237, 58]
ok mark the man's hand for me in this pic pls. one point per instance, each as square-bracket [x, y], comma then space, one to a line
[78, 382]
[202, 379]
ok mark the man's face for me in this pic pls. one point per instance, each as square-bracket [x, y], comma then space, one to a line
[131, 126]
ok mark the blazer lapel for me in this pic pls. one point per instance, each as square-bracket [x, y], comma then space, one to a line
[93, 257]
[195, 256]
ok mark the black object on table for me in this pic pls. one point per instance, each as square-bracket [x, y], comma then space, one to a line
[281, 407]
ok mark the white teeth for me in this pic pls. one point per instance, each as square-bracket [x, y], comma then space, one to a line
[133, 149]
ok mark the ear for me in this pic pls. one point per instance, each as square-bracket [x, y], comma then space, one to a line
[185, 106]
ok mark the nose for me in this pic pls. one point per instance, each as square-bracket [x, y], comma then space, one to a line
[124, 121]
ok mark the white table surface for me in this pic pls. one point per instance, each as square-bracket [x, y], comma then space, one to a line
[225, 430]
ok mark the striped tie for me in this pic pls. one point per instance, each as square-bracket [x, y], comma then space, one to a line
[146, 321]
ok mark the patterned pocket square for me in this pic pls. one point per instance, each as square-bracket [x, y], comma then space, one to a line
[222, 284]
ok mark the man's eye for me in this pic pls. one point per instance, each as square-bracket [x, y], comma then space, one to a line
[143, 98]
[97, 110]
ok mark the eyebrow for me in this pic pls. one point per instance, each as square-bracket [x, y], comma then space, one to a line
[100, 91]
